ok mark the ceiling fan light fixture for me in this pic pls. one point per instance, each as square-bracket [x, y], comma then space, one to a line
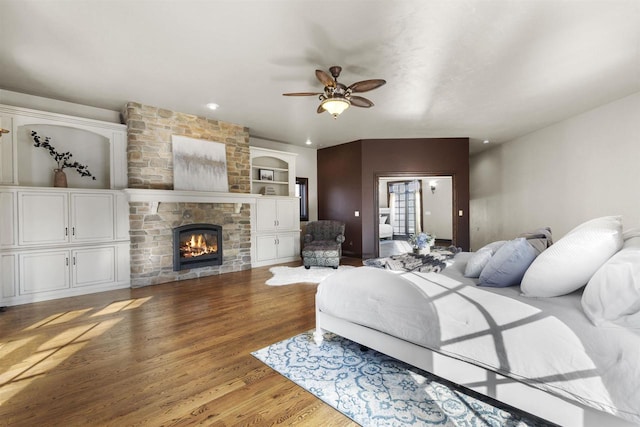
[335, 106]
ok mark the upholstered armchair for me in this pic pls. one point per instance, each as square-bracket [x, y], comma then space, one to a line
[323, 243]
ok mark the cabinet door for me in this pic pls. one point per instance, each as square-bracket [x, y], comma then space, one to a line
[266, 247]
[43, 218]
[44, 271]
[266, 214]
[92, 217]
[286, 245]
[8, 215]
[8, 275]
[93, 266]
[288, 214]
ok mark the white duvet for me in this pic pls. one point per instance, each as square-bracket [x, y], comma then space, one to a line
[547, 342]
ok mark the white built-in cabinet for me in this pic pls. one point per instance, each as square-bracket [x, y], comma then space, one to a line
[60, 242]
[277, 235]
[276, 223]
[71, 217]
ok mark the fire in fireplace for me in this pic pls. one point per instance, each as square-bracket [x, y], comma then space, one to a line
[197, 245]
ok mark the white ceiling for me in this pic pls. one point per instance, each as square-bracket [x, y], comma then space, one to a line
[484, 69]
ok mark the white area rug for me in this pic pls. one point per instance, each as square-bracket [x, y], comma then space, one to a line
[289, 275]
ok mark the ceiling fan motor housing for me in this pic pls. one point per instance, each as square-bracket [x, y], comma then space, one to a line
[335, 71]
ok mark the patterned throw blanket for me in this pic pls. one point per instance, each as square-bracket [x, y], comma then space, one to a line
[434, 261]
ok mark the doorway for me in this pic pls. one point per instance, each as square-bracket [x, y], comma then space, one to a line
[410, 204]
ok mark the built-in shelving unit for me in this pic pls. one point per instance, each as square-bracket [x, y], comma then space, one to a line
[276, 230]
[60, 242]
[272, 169]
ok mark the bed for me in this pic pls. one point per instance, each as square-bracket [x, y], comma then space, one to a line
[541, 355]
[385, 230]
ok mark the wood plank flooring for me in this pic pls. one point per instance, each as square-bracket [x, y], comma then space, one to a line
[175, 354]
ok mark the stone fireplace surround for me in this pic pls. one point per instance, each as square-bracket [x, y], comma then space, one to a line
[155, 208]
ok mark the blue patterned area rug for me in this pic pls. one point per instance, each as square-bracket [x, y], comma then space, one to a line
[376, 390]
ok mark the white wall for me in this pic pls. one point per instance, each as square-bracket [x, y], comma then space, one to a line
[306, 167]
[23, 100]
[560, 176]
[438, 207]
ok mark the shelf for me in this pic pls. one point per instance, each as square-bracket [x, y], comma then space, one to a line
[270, 167]
[264, 181]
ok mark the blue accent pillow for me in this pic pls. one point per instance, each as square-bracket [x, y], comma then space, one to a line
[479, 260]
[508, 265]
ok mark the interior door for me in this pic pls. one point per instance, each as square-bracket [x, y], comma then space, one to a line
[436, 206]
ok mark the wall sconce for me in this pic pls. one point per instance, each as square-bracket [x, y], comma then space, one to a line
[432, 185]
[3, 131]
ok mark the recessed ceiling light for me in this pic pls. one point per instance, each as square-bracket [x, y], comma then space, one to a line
[486, 141]
[213, 106]
[308, 141]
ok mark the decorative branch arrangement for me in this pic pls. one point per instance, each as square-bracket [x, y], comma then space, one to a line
[62, 159]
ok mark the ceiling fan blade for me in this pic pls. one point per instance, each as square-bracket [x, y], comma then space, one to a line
[358, 101]
[302, 94]
[325, 78]
[366, 85]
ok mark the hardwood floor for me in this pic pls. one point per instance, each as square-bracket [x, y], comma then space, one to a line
[173, 354]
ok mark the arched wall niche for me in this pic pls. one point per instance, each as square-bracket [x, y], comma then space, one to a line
[101, 146]
[36, 165]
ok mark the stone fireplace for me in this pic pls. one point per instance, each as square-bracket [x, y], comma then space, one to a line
[155, 209]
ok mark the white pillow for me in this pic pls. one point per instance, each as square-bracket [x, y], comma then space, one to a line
[480, 259]
[612, 296]
[569, 263]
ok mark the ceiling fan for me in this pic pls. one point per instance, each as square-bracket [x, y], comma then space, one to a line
[336, 96]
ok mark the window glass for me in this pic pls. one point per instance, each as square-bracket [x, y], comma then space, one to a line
[302, 191]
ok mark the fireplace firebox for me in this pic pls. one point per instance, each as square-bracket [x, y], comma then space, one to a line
[197, 245]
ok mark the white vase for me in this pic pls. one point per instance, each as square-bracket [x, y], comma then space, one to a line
[422, 251]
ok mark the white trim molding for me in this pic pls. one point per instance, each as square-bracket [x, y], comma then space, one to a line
[176, 196]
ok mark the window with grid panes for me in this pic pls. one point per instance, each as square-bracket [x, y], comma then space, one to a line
[404, 218]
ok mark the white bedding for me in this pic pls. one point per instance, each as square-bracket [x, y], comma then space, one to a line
[547, 342]
[386, 230]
